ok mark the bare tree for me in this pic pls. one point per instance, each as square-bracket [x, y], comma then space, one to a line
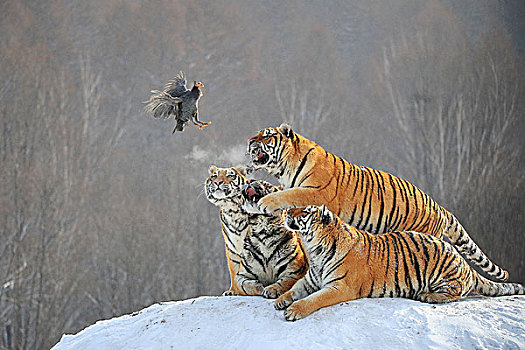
[306, 108]
[456, 115]
[454, 122]
[51, 163]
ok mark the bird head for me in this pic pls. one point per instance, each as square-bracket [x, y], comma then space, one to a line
[198, 84]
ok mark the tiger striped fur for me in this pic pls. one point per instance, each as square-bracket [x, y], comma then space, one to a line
[369, 199]
[272, 255]
[263, 257]
[348, 264]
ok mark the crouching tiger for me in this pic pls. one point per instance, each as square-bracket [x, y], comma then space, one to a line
[263, 257]
[369, 199]
[346, 264]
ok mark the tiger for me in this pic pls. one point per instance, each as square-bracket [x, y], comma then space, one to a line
[272, 255]
[263, 257]
[366, 198]
[347, 264]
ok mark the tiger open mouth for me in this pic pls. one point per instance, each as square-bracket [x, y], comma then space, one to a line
[253, 191]
[258, 156]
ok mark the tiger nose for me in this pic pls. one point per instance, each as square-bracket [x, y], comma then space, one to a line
[218, 182]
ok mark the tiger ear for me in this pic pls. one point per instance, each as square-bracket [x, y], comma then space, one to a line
[212, 169]
[285, 129]
[326, 215]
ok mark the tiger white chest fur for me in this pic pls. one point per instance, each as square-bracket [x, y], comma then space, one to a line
[235, 226]
[268, 247]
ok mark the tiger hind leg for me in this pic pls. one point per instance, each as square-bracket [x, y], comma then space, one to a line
[448, 289]
[437, 298]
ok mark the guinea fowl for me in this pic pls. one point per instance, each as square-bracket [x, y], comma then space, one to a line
[177, 101]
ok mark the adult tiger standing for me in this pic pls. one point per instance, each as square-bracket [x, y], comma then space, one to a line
[369, 199]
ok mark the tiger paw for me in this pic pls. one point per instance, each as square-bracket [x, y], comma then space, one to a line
[296, 311]
[229, 293]
[283, 301]
[269, 203]
[272, 291]
[253, 288]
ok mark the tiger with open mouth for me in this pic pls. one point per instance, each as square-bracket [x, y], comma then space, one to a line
[366, 198]
[263, 257]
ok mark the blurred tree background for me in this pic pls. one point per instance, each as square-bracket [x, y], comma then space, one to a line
[101, 209]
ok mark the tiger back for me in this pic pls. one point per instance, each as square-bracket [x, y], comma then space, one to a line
[366, 198]
[348, 264]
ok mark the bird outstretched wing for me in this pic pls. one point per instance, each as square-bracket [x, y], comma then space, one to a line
[167, 103]
[162, 105]
[176, 87]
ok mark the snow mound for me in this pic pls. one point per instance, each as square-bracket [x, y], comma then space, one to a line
[253, 323]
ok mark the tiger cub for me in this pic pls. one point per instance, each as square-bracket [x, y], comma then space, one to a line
[369, 199]
[263, 257]
[347, 264]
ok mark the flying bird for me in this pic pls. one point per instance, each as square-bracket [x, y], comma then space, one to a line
[177, 101]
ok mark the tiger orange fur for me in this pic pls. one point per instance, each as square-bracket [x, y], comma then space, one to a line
[347, 264]
[369, 199]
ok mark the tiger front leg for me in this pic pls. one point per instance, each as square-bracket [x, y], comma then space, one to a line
[327, 296]
[291, 198]
[233, 268]
[278, 288]
[297, 292]
[248, 285]
[229, 293]
[234, 290]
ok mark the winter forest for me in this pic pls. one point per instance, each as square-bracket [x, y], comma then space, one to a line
[102, 209]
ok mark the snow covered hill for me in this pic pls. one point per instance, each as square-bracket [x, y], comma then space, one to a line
[253, 323]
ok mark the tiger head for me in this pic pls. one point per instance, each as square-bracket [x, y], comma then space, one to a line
[224, 184]
[254, 190]
[307, 220]
[267, 146]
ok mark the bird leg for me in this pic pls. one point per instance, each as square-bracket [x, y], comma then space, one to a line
[203, 125]
[200, 124]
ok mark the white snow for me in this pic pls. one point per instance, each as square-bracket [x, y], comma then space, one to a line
[253, 323]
